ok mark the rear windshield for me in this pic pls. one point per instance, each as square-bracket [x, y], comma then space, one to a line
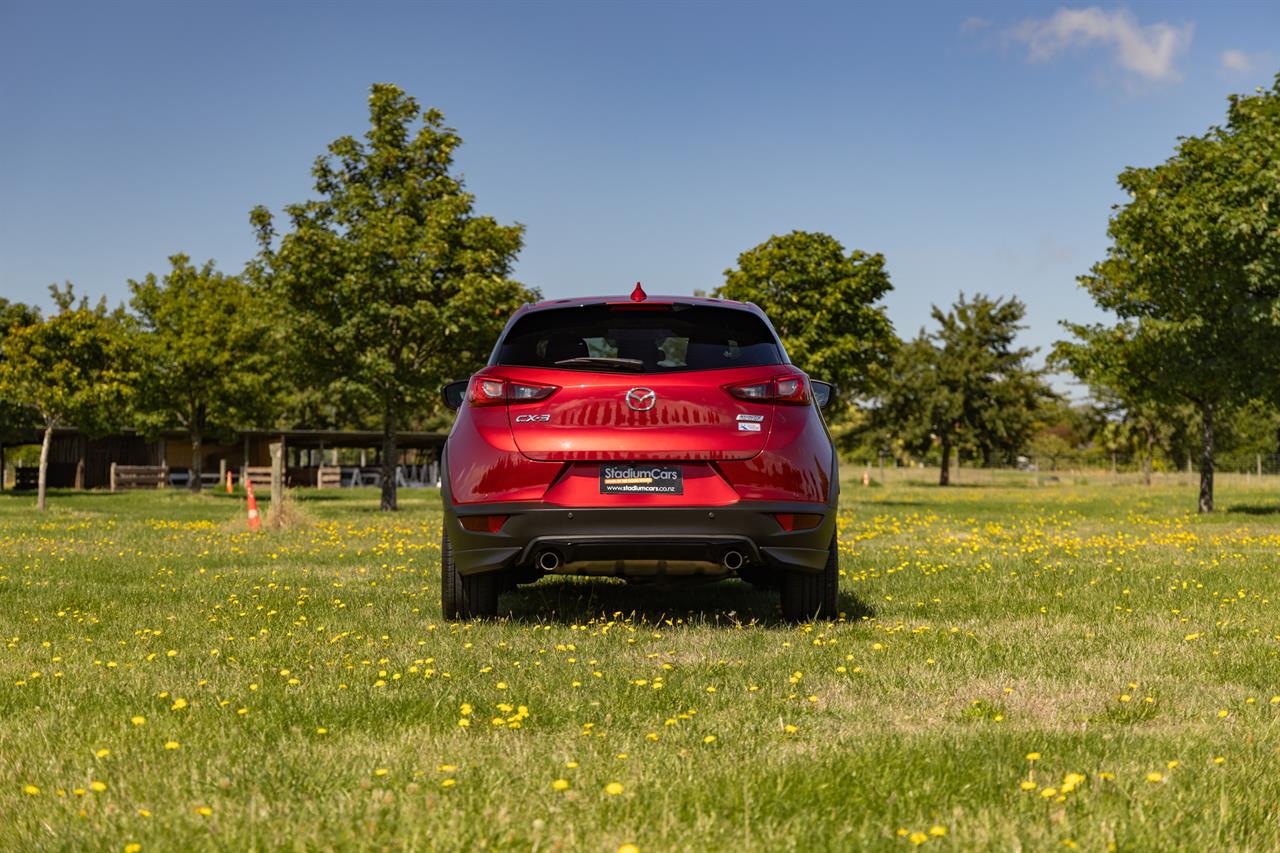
[625, 339]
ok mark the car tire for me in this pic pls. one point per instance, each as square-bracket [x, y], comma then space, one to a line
[464, 596]
[812, 595]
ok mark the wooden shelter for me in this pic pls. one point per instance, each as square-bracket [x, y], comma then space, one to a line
[79, 461]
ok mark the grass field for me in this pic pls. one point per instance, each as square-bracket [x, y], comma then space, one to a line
[1043, 667]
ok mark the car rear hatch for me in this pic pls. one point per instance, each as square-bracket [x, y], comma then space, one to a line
[687, 416]
[641, 381]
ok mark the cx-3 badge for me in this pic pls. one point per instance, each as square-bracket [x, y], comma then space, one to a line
[641, 399]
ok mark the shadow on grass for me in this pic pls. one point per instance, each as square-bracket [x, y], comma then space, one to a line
[50, 494]
[1255, 509]
[573, 601]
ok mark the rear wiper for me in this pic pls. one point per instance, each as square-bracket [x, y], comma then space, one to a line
[602, 361]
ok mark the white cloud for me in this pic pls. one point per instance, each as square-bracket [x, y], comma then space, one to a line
[1240, 62]
[973, 24]
[1148, 51]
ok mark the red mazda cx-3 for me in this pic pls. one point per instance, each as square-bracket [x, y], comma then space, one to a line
[652, 438]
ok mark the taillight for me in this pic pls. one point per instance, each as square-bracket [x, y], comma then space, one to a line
[792, 389]
[757, 392]
[483, 523]
[488, 391]
[523, 392]
[788, 390]
[789, 521]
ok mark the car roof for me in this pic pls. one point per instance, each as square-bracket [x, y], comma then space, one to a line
[579, 301]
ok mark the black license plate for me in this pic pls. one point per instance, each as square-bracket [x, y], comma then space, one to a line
[641, 478]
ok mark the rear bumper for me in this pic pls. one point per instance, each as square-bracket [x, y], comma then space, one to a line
[699, 534]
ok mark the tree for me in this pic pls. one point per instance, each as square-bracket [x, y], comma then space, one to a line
[390, 282]
[1107, 360]
[964, 383]
[15, 419]
[1193, 272]
[205, 349]
[822, 303]
[72, 369]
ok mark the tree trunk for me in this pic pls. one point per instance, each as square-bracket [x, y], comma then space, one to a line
[389, 457]
[944, 476]
[44, 465]
[1146, 463]
[197, 461]
[1206, 458]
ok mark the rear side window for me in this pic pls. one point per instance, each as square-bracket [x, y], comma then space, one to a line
[651, 339]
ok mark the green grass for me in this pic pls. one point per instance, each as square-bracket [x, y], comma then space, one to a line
[323, 693]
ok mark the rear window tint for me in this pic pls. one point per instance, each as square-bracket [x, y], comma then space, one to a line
[684, 337]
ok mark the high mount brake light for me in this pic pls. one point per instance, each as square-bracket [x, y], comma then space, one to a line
[787, 390]
[488, 391]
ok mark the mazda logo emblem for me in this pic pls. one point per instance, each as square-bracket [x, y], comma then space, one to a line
[641, 399]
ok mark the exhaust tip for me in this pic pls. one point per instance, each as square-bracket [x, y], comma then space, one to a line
[733, 560]
[548, 561]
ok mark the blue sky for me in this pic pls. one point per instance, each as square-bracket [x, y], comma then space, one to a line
[975, 144]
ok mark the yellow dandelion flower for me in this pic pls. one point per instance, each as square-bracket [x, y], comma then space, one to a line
[204, 811]
[448, 783]
[1028, 785]
[1153, 776]
[628, 848]
[1033, 756]
[30, 790]
[138, 720]
[132, 847]
[709, 739]
[1219, 760]
[172, 744]
[97, 786]
[102, 753]
[381, 771]
[917, 838]
[560, 785]
[613, 789]
[937, 830]
[1223, 714]
[178, 704]
[1049, 792]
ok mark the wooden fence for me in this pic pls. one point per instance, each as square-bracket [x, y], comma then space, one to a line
[138, 477]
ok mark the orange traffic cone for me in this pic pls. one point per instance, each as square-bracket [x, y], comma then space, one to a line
[255, 522]
[228, 482]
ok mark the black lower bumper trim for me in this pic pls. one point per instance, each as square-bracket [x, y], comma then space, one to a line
[695, 534]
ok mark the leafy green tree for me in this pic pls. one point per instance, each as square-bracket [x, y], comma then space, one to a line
[391, 283]
[1193, 271]
[73, 369]
[206, 363]
[15, 419]
[823, 304]
[1136, 413]
[965, 383]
